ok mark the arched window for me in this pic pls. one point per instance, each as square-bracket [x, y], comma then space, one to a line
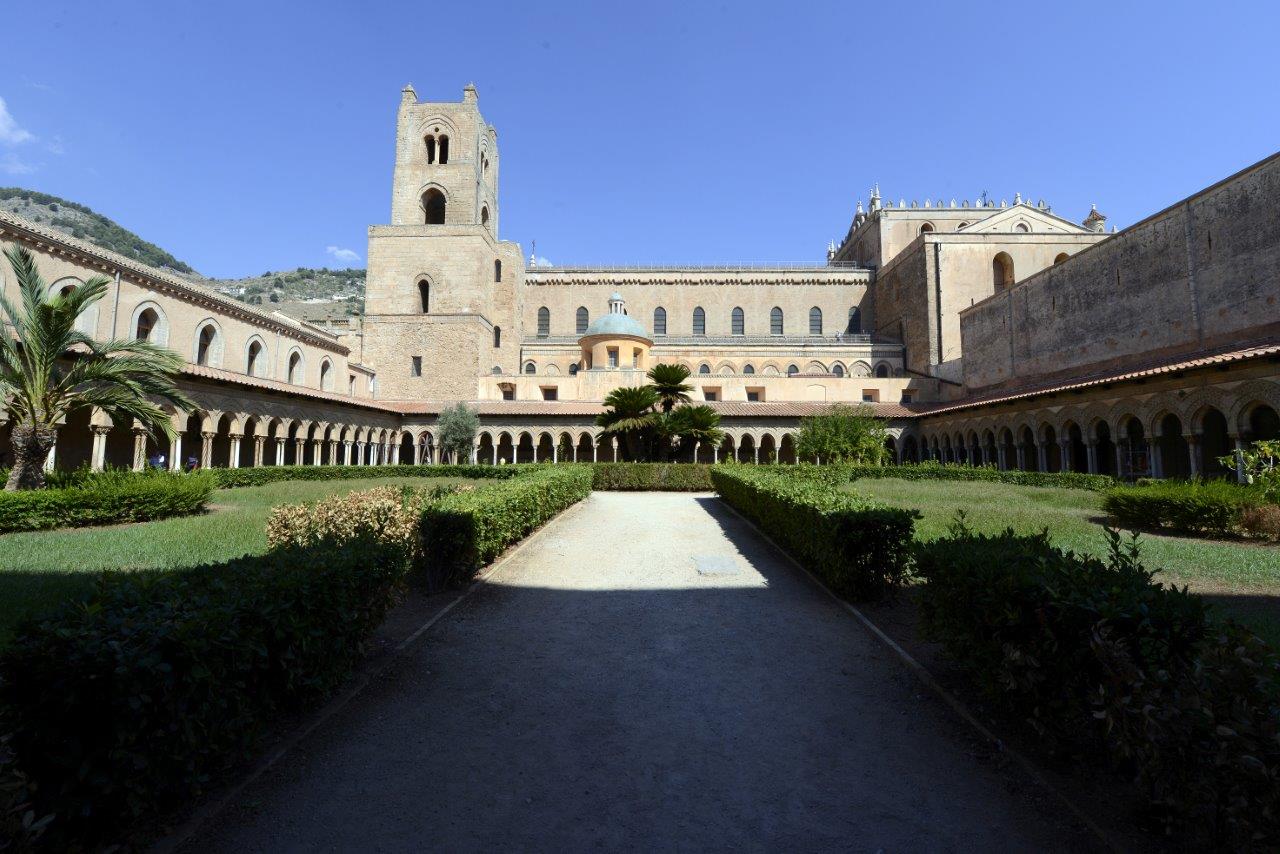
[925, 228]
[775, 321]
[424, 295]
[583, 319]
[295, 368]
[1002, 271]
[497, 271]
[961, 225]
[433, 205]
[1022, 227]
[573, 369]
[704, 368]
[209, 345]
[837, 369]
[699, 321]
[544, 322]
[739, 322]
[444, 149]
[530, 368]
[431, 149]
[882, 370]
[854, 327]
[255, 358]
[497, 337]
[326, 375]
[484, 215]
[147, 326]
[1062, 256]
[659, 321]
[792, 370]
[748, 369]
[815, 321]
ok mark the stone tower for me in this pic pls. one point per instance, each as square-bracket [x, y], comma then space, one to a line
[440, 285]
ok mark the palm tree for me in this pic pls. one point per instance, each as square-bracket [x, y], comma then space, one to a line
[669, 382]
[629, 414]
[696, 424]
[48, 367]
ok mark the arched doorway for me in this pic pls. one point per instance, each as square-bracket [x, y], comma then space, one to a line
[1175, 455]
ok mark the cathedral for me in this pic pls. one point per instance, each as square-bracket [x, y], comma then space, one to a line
[984, 332]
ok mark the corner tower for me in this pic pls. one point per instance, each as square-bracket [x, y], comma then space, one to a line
[446, 169]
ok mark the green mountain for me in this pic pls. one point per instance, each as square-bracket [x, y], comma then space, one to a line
[82, 222]
[308, 294]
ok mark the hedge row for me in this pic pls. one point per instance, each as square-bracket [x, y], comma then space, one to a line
[1215, 508]
[106, 498]
[1097, 656]
[661, 477]
[468, 529]
[860, 549]
[231, 478]
[937, 471]
[132, 702]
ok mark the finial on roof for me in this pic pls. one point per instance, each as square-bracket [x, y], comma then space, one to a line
[469, 93]
[1095, 221]
[1017, 198]
[407, 93]
[1003, 203]
[928, 203]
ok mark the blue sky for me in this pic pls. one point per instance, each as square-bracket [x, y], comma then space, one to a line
[248, 136]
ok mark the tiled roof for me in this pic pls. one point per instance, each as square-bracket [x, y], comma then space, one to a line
[1168, 365]
[205, 372]
[580, 408]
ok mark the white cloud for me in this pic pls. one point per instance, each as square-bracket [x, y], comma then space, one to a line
[55, 146]
[346, 256]
[11, 164]
[10, 133]
[539, 261]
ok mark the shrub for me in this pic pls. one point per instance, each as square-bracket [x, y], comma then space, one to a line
[231, 478]
[937, 471]
[1214, 508]
[384, 512]
[1262, 521]
[859, 548]
[665, 477]
[1095, 655]
[133, 701]
[106, 498]
[466, 530]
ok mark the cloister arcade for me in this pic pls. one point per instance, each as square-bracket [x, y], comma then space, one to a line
[1166, 435]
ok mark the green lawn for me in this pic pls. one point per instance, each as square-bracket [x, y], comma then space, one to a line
[1243, 577]
[42, 568]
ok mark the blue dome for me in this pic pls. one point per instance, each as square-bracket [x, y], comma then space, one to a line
[616, 324]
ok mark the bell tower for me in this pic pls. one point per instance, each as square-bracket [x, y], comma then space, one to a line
[446, 170]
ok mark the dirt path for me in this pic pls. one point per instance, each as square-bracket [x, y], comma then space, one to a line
[647, 674]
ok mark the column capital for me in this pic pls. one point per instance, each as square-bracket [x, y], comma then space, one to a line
[100, 429]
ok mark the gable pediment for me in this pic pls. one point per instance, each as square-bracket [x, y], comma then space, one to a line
[1035, 220]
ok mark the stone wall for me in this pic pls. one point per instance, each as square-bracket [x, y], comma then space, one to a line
[1203, 273]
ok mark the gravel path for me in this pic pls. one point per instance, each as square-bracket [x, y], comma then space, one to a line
[646, 674]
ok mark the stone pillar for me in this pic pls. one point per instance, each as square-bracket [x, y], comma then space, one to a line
[175, 453]
[757, 450]
[614, 442]
[1155, 457]
[51, 460]
[280, 451]
[595, 449]
[435, 454]
[1042, 455]
[1001, 462]
[346, 452]
[1193, 453]
[98, 456]
[1091, 453]
[259, 442]
[1065, 460]
[1021, 453]
[300, 451]
[697, 446]
[234, 462]
[139, 448]
[1120, 467]
[1238, 443]
[395, 454]
[495, 453]
[206, 449]
[555, 453]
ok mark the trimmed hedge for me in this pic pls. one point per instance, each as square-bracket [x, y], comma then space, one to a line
[1209, 508]
[106, 498]
[132, 702]
[657, 477]
[937, 471]
[231, 478]
[1096, 656]
[466, 530]
[859, 548]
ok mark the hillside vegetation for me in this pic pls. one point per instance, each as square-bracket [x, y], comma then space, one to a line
[82, 222]
[305, 293]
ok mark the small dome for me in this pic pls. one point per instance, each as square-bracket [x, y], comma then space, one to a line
[616, 324]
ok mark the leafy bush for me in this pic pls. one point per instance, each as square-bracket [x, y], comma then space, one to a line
[133, 701]
[106, 498]
[937, 471]
[385, 512]
[1096, 655]
[1214, 507]
[466, 530]
[843, 434]
[231, 478]
[665, 477]
[859, 548]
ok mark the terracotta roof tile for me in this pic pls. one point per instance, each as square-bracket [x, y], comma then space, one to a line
[206, 372]
[1167, 365]
[580, 408]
